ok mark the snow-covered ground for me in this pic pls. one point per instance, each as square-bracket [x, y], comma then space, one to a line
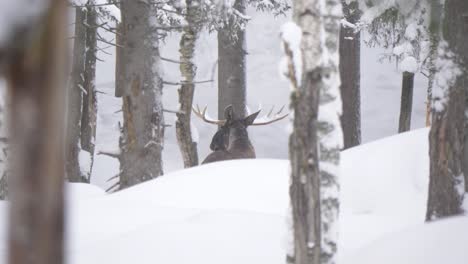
[235, 212]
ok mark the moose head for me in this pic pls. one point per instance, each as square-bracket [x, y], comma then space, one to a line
[231, 141]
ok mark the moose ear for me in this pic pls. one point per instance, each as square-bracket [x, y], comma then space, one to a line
[228, 112]
[251, 118]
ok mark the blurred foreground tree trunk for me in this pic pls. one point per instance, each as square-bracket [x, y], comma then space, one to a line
[142, 134]
[36, 75]
[232, 65]
[350, 73]
[446, 139]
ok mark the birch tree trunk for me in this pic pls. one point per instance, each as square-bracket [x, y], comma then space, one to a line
[75, 99]
[350, 72]
[330, 133]
[36, 79]
[232, 66]
[89, 112]
[142, 136]
[406, 106]
[317, 138]
[446, 139]
[187, 146]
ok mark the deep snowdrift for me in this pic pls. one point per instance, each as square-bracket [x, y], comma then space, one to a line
[234, 212]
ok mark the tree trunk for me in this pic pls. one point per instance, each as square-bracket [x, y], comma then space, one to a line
[187, 146]
[316, 139]
[446, 139]
[89, 114]
[460, 36]
[330, 134]
[36, 80]
[304, 189]
[119, 62]
[406, 102]
[232, 66]
[142, 136]
[75, 99]
[350, 72]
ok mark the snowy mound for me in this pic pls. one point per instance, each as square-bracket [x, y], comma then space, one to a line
[235, 212]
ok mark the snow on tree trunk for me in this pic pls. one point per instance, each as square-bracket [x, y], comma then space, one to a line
[36, 77]
[89, 108]
[232, 66]
[406, 102]
[446, 139]
[75, 90]
[329, 131]
[350, 72]
[142, 135]
[316, 140]
[187, 146]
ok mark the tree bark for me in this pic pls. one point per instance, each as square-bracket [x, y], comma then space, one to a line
[304, 189]
[142, 136]
[330, 134]
[316, 138]
[406, 106]
[89, 112]
[232, 66]
[187, 146]
[350, 72]
[446, 139]
[36, 80]
[75, 99]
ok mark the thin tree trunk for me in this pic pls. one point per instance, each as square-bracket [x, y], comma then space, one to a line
[89, 112]
[187, 146]
[142, 136]
[446, 139]
[350, 72]
[232, 66]
[36, 80]
[406, 102]
[75, 99]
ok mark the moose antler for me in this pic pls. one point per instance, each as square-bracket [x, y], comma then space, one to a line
[268, 119]
[202, 115]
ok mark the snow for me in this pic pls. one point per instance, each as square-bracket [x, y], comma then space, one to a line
[439, 242]
[291, 35]
[235, 211]
[195, 134]
[411, 31]
[84, 159]
[409, 64]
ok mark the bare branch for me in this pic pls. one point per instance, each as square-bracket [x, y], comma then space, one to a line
[185, 82]
[110, 154]
[170, 60]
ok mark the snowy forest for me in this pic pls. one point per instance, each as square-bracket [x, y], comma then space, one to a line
[233, 131]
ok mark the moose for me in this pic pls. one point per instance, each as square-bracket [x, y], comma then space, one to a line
[231, 141]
